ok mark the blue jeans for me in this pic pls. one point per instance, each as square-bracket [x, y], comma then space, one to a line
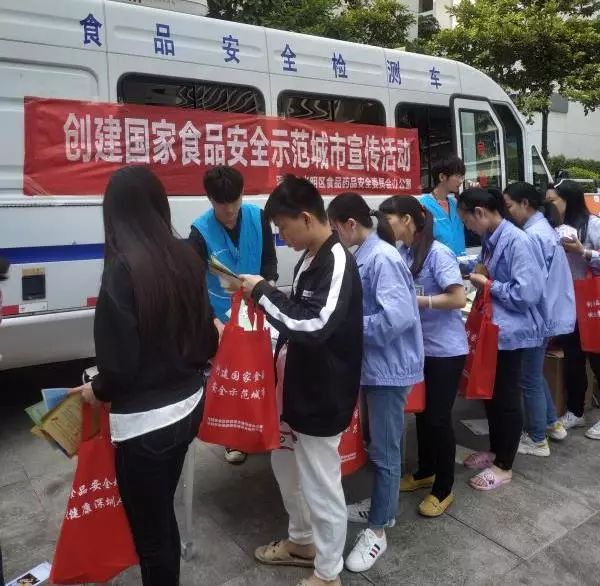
[385, 406]
[539, 407]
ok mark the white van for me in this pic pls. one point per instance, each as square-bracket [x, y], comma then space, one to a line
[101, 50]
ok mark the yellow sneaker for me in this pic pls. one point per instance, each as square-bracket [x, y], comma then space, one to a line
[409, 484]
[432, 507]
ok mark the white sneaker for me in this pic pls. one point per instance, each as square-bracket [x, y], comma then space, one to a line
[594, 431]
[570, 420]
[366, 551]
[556, 431]
[359, 513]
[528, 447]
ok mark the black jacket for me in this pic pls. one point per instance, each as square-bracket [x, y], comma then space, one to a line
[138, 375]
[322, 323]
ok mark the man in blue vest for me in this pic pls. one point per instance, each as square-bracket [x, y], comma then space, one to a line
[238, 236]
[448, 228]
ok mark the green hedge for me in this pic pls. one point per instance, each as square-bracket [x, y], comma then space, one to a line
[583, 173]
[581, 165]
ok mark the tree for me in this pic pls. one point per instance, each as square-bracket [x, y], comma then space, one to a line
[428, 28]
[382, 23]
[533, 48]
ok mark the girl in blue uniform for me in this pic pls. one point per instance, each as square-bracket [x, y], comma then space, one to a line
[557, 307]
[392, 363]
[440, 295]
[517, 284]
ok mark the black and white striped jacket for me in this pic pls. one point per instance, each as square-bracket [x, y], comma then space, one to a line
[322, 323]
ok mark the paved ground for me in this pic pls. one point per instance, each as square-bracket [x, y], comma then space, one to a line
[544, 528]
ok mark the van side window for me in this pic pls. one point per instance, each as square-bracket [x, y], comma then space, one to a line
[513, 143]
[330, 108]
[152, 90]
[435, 134]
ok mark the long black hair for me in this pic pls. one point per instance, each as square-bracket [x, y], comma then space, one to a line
[576, 213]
[352, 205]
[476, 197]
[408, 205]
[169, 283]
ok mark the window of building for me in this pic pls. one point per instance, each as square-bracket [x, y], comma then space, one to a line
[513, 143]
[135, 88]
[425, 6]
[434, 125]
[331, 108]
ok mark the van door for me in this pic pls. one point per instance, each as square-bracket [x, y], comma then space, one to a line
[479, 137]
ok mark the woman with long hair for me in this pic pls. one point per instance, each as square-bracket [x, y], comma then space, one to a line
[154, 335]
[583, 253]
[440, 295]
[508, 264]
[392, 363]
[524, 204]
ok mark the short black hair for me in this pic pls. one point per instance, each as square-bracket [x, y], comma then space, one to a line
[293, 196]
[223, 184]
[451, 165]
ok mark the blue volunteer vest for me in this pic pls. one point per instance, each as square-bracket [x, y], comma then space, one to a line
[447, 228]
[245, 259]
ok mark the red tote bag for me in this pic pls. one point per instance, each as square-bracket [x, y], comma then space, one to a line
[415, 402]
[479, 373]
[95, 542]
[352, 449]
[587, 299]
[240, 411]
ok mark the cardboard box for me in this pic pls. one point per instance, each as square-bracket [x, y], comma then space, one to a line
[553, 371]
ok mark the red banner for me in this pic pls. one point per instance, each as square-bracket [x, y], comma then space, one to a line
[72, 148]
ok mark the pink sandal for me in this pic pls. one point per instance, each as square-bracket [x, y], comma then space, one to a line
[487, 480]
[479, 460]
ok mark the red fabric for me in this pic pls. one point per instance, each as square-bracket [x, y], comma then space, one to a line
[95, 542]
[587, 298]
[479, 373]
[241, 405]
[415, 402]
[72, 148]
[352, 449]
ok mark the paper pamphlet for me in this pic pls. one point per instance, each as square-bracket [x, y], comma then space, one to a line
[37, 575]
[63, 424]
[36, 412]
[229, 280]
[57, 419]
[52, 397]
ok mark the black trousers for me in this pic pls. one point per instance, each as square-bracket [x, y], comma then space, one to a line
[435, 432]
[574, 374]
[148, 470]
[505, 410]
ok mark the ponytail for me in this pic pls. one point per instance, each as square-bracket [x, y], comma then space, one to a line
[423, 220]
[352, 205]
